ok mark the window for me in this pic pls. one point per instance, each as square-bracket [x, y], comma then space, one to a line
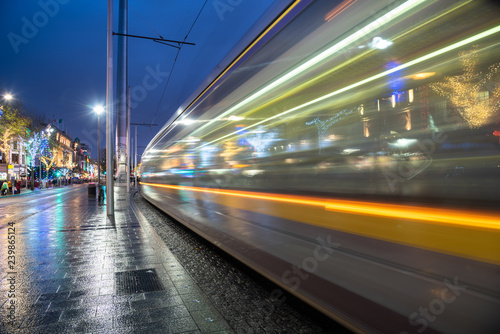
[483, 97]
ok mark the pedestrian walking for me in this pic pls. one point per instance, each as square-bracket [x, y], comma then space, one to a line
[18, 187]
[4, 188]
[9, 185]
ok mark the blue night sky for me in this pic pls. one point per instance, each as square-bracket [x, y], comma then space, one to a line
[53, 55]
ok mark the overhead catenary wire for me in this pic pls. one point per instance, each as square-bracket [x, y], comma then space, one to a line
[156, 32]
[175, 61]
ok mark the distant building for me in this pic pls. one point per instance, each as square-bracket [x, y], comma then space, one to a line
[17, 161]
[81, 156]
[64, 150]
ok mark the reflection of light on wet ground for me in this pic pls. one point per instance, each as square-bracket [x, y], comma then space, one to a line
[56, 237]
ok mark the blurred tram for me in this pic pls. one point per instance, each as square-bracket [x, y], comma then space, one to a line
[351, 154]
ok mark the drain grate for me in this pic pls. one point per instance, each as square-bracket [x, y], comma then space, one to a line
[137, 281]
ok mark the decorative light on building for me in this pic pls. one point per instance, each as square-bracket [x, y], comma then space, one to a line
[421, 75]
[366, 129]
[261, 140]
[407, 118]
[34, 145]
[324, 125]
[464, 91]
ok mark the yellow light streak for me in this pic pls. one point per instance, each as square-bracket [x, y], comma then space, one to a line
[338, 9]
[464, 218]
[420, 76]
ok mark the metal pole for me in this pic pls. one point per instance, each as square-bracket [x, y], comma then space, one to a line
[122, 92]
[128, 142]
[98, 158]
[40, 176]
[32, 176]
[130, 158]
[132, 145]
[110, 207]
[135, 164]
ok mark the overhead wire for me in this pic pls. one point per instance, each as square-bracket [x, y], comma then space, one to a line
[175, 61]
[156, 32]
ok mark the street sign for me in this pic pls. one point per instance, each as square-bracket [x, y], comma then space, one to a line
[3, 176]
[11, 166]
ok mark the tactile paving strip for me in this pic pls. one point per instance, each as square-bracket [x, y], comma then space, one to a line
[137, 281]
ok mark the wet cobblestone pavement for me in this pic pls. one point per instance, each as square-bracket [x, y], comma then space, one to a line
[67, 268]
[247, 301]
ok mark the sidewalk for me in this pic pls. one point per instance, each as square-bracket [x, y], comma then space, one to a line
[76, 270]
[28, 191]
[24, 191]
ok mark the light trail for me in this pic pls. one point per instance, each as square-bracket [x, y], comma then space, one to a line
[359, 34]
[419, 60]
[419, 213]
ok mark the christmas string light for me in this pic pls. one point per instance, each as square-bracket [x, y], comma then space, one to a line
[464, 91]
[324, 125]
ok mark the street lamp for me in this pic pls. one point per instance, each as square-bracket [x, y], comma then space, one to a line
[98, 110]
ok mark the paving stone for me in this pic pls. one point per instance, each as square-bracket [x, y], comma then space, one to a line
[78, 314]
[114, 309]
[133, 319]
[37, 320]
[71, 253]
[171, 312]
[65, 304]
[236, 292]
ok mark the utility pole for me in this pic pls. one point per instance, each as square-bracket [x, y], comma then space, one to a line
[122, 92]
[135, 158]
[110, 204]
[135, 164]
[128, 141]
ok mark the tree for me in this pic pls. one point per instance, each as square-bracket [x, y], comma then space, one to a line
[49, 152]
[13, 126]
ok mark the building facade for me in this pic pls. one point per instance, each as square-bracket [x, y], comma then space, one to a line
[13, 162]
[64, 150]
